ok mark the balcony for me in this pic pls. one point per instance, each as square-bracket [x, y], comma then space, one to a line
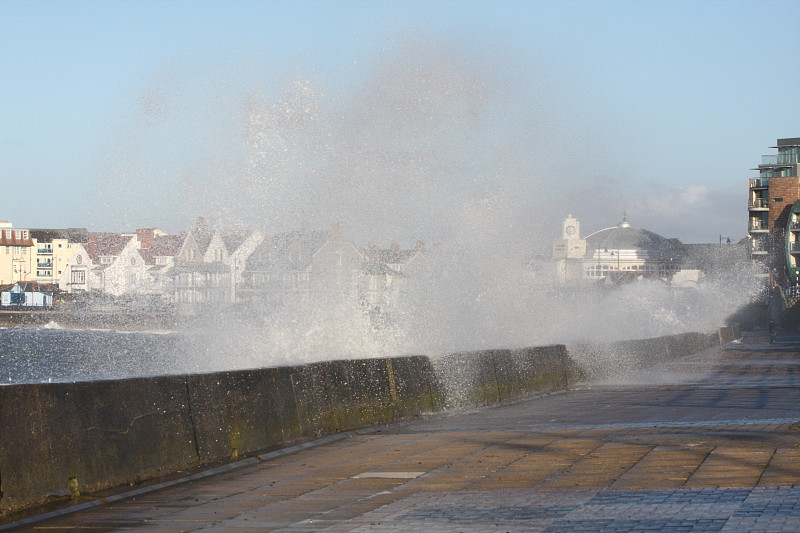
[759, 225]
[44, 264]
[759, 183]
[759, 203]
[780, 159]
[794, 247]
[759, 245]
[44, 251]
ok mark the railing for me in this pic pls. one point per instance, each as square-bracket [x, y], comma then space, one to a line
[45, 250]
[780, 159]
[794, 247]
[759, 183]
[792, 292]
[759, 203]
[758, 225]
[44, 265]
[795, 226]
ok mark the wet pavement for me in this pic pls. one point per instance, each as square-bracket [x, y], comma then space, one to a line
[709, 443]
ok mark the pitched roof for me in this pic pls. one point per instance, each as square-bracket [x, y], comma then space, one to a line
[70, 234]
[162, 246]
[287, 251]
[234, 239]
[202, 239]
[389, 256]
[35, 286]
[110, 246]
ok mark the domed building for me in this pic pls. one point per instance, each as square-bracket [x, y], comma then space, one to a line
[619, 249]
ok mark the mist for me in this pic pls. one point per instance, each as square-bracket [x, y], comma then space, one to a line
[433, 142]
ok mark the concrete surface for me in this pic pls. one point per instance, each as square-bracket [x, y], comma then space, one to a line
[708, 443]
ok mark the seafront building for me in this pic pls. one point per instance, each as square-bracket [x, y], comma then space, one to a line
[771, 197]
[210, 268]
[17, 254]
[53, 251]
[615, 254]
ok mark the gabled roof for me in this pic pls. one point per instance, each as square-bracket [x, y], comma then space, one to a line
[110, 246]
[202, 239]
[389, 256]
[162, 246]
[289, 251]
[234, 239]
[35, 286]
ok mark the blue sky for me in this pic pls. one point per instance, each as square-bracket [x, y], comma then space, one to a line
[124, 114]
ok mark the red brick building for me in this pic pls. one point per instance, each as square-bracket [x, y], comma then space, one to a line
[772, 194]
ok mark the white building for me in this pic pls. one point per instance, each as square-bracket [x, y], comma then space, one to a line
[614, 253]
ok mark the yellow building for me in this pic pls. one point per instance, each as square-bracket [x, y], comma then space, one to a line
[17, 254]
[53, 249]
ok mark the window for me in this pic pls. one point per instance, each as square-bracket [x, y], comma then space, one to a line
[78, 276]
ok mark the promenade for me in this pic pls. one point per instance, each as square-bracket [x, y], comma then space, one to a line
[708, 443]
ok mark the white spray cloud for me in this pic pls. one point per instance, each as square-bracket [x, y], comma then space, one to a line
[427, 148]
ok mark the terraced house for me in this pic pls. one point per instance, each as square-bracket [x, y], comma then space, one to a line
[17, 255]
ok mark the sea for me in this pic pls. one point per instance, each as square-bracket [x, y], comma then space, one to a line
[52, 354]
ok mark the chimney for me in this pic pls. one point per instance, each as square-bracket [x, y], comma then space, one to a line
[420, 247]
[336, 232]
[145, 238]
[91, 239]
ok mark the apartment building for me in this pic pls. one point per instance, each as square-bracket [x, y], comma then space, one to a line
[53, 250]
[17, 255]
[771, 197]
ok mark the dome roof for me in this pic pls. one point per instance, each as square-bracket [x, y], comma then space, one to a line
[625, 237]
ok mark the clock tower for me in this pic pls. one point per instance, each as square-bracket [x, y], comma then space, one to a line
[570, 245]
[571, 228]
[568, 251]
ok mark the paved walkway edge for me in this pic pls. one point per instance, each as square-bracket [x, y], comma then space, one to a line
[97, 502]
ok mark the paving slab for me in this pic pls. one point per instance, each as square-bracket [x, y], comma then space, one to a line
[707, 443]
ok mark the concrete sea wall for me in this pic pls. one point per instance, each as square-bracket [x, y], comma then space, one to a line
[618, 359]
[61, 439]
